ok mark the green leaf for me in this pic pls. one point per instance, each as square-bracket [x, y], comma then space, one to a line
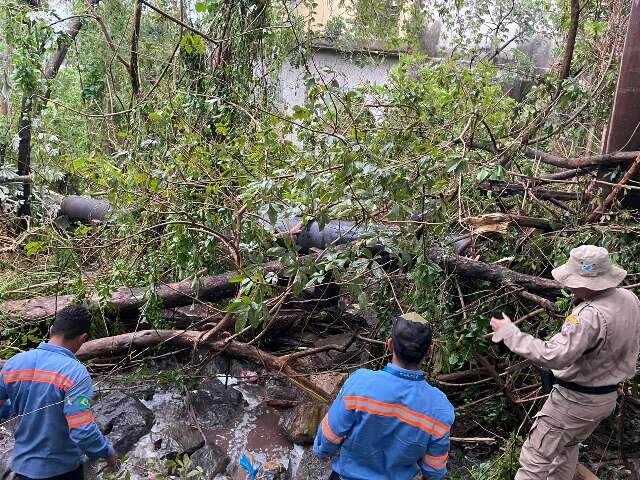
[33, 248]
[241, 322]
[363, 300]
[201, 7]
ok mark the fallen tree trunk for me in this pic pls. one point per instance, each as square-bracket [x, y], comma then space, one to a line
[124, 344]
[128, 301]
[506, 188]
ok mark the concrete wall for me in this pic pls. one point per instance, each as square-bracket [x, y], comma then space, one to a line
[356, 69]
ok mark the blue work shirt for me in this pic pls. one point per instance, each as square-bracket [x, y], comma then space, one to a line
[387, 425]
[50, 391]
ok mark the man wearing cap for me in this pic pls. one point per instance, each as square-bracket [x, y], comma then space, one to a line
[390, 424]
[595, 350]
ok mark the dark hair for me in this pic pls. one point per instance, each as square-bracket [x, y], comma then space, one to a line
[411, 339]
[410, 359]
[71, 322]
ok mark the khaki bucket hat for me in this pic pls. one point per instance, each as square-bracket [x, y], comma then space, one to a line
[589, 267]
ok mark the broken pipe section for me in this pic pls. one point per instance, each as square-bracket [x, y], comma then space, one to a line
[84, 209]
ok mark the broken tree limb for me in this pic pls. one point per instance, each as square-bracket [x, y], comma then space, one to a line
[519, 321]
[580, 162]
[16, 179]
[507, 188]
[532, 297]
[123, 344]
[498, 222]
[491, 272]
[613, 194]
[488, 366]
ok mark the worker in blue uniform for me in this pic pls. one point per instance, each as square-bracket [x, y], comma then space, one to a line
[390, 424]
[50, 392]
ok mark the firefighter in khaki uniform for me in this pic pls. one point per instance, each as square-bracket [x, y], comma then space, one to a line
[595, 350]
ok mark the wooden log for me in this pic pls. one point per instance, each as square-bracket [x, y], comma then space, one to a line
[123, 344]
[491, 272]
[126, 302]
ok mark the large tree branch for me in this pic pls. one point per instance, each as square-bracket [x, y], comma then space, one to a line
[563, 162]
[565, 69]
[107, 35]
[57, 58]
[123, 344]
[128, 301]
[580, 162]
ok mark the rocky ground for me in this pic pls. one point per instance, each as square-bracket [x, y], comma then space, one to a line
[225, 416]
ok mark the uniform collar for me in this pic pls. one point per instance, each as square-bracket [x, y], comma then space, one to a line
[414, 375]
[56, 349]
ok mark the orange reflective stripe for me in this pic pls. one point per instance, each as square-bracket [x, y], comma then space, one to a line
[405, 414]
[59, 377]
[79, 415]
[33, 378]
[81, 422]
[399, 416]
[328, 433]
[435, 459]
[436, 462]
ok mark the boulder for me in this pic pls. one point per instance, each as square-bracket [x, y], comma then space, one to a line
[301, 423]
[277, 390]
[178, 438]
[216, 406]
[213, 460]
[124, 419]
[6, 446]
[272, 470]
[329, 382]
[310, 467]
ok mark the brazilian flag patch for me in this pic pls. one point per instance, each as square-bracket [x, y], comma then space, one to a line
[84, 402]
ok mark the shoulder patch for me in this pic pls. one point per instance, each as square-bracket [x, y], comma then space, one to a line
[572, 319]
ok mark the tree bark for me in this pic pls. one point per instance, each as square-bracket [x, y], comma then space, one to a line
[135, 37]
[124, 344]
[580, 162]
[26, 113]
[565, 69]
[126, 302]
[491, 272]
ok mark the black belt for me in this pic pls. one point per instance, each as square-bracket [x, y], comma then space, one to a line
[588, 390]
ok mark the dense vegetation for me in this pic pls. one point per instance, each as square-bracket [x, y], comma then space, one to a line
[172, 112]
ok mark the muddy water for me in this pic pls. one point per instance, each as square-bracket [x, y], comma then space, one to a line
[257, 433]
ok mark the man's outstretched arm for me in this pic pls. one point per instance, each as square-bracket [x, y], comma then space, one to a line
[578, 334]
[82, 427]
